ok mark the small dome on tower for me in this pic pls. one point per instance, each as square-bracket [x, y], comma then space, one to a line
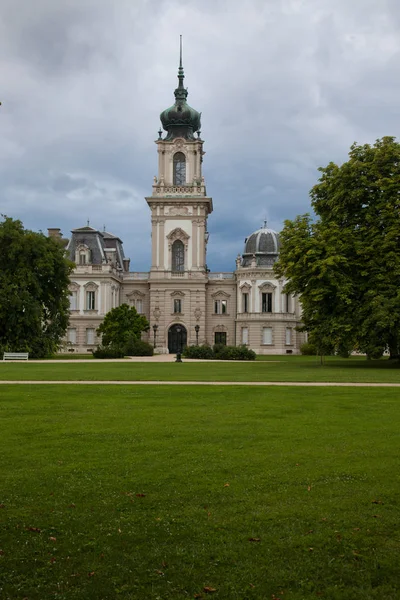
[180, 119]
[264, 244]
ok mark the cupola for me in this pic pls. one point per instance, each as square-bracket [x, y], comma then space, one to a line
[263, 245]
[180, 119]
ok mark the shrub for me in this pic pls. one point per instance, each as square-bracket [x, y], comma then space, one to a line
[219, 352]
[108, 352]
[233, 352]
[204, 352]
[308, 349]
[138, 348]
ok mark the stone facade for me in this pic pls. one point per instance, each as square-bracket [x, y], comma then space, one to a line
[247, 306]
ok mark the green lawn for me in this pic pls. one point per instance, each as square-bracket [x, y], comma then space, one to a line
[288, 369]
[160, 492]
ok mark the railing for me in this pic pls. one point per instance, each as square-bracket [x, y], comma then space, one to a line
[224, 275]
[95, 269]
[184, 190]
[136, 275]
[267, 316]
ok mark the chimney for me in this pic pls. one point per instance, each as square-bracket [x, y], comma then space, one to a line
[54, 232]
[126, 262]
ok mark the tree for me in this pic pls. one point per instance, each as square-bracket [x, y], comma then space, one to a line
[345, 264]
[121, 325]
[34, 298]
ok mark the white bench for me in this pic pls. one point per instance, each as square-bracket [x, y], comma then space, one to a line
[15, 355]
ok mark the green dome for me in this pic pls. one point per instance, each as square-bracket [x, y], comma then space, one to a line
[180, 120]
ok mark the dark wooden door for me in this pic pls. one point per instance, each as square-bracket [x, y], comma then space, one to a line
[177, 338]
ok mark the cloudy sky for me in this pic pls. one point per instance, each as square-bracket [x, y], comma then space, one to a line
[284, 86]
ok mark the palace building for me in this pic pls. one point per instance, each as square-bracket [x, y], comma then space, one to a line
[183, 301]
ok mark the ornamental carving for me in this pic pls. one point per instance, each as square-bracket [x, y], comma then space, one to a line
[197, 314]
[177, 294]
[156, 313]
[178, 234]
[91, 286]
[245, 287]
[220, 294]
[73, 286]
[178, 210]
[267, 286]
[135, 294]
[219, 329]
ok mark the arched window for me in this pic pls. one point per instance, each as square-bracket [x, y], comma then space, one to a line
[178, 256]
[179, 169]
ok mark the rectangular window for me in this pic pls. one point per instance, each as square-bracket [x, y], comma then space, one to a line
[267, 335]
[89, 336]
[139, 306]
[245, 335]
[90, 300]
[220, 337]
[287, 303]
[288, 336]
[73, 300]
[220, 307]
[82, 259]
[245, 302]
[177, 306]
[72, 335]
[266, 302]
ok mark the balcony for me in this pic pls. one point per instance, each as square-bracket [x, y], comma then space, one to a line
[188, 190]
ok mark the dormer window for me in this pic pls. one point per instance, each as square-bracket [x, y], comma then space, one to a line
[82, 255]
[179, 169]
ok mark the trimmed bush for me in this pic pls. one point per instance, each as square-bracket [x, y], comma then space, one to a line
[138, 348]
[233, 352]
[219, 352]
[308, 349]
[108, 352]
[204, 352]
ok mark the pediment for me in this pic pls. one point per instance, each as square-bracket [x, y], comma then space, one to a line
[267, 285]
[220, 294]
[177, 294]
[245, 287]
[91, 286]
[135, 294]
[178, 234]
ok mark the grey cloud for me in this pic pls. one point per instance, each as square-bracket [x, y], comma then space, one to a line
[284, 87]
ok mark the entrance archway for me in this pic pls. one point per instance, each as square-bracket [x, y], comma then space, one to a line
[177, 338]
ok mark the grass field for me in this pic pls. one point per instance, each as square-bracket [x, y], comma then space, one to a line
[296, 368]
[169, 493]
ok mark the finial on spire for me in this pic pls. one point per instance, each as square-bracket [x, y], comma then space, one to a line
[181, 75]
[265, 224]
[88, 223]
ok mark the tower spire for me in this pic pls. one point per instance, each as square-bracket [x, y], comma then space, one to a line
[181, 75]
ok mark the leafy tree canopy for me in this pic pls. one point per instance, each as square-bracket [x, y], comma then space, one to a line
[345, 264]
[34, 298]
[122, 324]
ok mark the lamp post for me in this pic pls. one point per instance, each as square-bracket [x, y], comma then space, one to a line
[197, 329]
[155, 327]
[178, 354]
